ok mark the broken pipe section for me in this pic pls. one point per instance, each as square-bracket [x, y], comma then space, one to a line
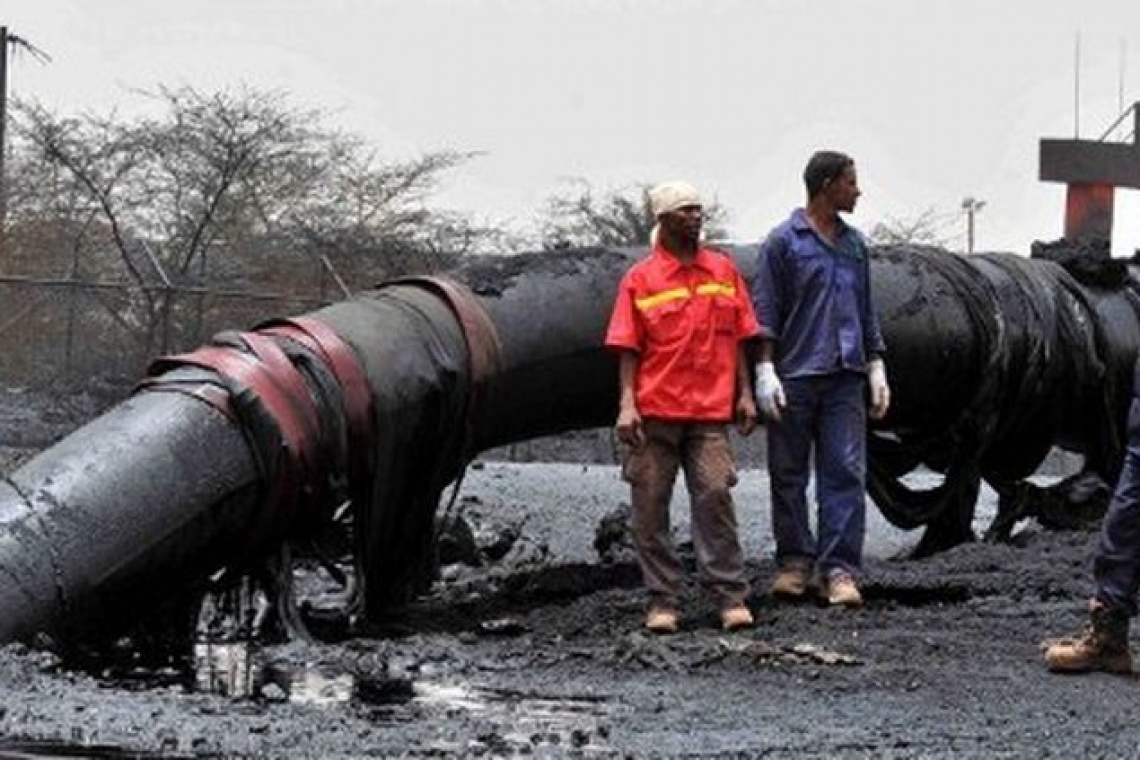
[223, 453]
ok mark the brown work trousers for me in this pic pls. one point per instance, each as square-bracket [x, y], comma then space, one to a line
[703, 450]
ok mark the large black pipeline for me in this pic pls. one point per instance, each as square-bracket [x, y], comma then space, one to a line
[228, 451]
[995, 359]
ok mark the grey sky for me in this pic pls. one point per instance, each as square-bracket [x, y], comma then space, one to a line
[936, 100]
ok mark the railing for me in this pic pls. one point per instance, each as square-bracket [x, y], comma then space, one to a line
[1132, 109]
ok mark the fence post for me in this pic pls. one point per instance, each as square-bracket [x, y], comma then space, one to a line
[72, 309]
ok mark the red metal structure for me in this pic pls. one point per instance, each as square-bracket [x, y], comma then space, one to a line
[1092, 169]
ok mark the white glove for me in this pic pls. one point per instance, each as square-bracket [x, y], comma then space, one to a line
[880, 391]
[769, 391]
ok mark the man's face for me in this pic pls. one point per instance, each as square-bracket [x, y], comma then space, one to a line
[684, 223]
[843, 191]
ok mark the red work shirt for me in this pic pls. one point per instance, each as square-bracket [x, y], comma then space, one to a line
[685, 323]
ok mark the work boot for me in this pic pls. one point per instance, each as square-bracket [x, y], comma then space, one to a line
[736, 618]
[790, 581]
[662, 620]
[1101, 645]
[838, 589]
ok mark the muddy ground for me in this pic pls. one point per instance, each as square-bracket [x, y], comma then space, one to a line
[533, 648]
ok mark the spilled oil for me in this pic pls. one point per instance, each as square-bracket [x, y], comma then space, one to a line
[229, 670]
[524, 720]
[510, 722]
[57, 750]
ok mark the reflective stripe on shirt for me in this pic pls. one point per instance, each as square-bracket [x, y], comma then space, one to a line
[704, 289]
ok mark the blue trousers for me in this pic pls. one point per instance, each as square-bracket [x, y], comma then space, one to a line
[825, 416]
[1116, 564]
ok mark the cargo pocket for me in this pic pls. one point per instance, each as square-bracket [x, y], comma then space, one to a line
[715, 463]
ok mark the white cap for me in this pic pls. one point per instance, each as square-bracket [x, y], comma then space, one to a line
[670, 196]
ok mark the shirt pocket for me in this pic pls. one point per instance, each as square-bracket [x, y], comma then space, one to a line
[813, 267]
[666, 323]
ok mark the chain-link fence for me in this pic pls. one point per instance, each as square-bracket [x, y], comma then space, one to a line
[63, 333]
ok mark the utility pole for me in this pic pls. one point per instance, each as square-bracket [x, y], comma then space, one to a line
[971, 206]
[9, 42]
[1077, 87]
[3, 130]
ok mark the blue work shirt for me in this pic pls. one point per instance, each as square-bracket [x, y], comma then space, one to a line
[813, 299]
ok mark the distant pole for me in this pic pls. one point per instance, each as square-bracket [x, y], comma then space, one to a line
[971, 206]
[1077, 88]
[9, 42]
[1120, 79]
[3, 131]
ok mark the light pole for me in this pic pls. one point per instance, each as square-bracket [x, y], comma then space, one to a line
[8, 43]
[3, 124]
[971, 206]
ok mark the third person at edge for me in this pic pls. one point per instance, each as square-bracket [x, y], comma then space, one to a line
[821, 351]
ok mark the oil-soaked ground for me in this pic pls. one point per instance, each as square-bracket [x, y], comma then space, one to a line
[537, 652]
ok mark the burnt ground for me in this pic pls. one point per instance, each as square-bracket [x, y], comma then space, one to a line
[533, 648]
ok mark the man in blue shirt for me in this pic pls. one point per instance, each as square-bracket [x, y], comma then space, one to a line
[820, 353]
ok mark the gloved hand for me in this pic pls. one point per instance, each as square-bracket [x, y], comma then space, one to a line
[769, 391]
[880, 391]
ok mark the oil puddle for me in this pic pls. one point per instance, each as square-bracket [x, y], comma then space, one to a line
[56, 750]
[515, 721]
[239, 671]
[229, 670]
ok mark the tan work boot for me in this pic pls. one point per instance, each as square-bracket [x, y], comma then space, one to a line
[662, 620]
[736, 618]
[839, 590]
[790, 581]
[1102, 645]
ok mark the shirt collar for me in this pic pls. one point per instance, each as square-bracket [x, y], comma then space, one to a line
[800, 223]
[846, 239]
[671, 264]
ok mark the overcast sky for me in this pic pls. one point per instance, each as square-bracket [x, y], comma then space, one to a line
[937, 101]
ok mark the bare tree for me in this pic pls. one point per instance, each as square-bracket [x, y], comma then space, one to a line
[233, 179]
[583, 217]
[374, 217]
[927, 228]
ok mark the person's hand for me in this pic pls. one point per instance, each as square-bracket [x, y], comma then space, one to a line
[880, 390]
[745, 414]
[769, 391]
[629, 428]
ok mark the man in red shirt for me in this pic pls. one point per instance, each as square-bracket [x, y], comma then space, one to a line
[680, 322]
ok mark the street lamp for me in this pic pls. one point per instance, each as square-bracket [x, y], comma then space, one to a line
[971, 206]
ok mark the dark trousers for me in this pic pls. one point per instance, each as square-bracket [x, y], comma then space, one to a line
[827, 416]
[1116, 564]
[703, 452]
